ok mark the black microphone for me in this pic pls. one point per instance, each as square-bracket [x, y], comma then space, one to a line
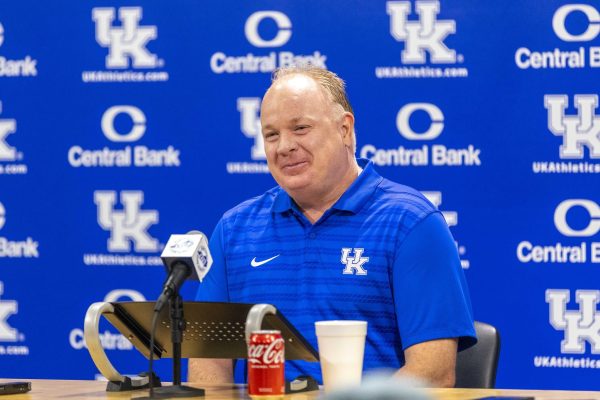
[185, 256]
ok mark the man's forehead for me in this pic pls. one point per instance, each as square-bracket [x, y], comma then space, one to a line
[294, 85]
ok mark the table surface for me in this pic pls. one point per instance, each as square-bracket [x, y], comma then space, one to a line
[63, 389]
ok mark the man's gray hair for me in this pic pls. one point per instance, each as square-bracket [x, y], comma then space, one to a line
[334, 86]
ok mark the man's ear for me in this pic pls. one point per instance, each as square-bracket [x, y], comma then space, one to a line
[347, 127]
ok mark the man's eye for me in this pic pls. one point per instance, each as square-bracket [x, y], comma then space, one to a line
[300, 128]
[271, 135]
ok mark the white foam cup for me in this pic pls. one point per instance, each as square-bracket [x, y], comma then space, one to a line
[341, 351]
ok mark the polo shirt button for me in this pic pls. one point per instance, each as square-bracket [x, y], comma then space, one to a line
[312, 235]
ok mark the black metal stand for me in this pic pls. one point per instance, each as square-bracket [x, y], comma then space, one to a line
[128, 384]
[178, 325]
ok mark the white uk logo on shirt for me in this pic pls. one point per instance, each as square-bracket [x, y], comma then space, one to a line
[355, 263]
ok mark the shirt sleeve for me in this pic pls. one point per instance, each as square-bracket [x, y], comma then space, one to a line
[214, 285]
[430, 291]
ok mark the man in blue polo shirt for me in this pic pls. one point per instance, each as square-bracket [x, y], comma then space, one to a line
[335, 240]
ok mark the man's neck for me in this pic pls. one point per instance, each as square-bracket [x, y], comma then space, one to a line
[314, 210]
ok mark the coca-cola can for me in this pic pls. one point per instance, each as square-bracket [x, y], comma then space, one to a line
[266, 361]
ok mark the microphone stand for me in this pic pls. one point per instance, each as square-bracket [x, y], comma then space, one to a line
[178, 325]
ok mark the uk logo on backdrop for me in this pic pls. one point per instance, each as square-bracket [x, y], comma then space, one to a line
[11, 340]
[269, 55]
[580, 326]
[129, 155]
[127, 224]
[249, 109]
[109, 339]
[423, 154]
[10, 157]
[423, 31]
[578, 221]
[15, 68]
[578, 38]
[451, 218]
[577, 134]
[121, 33]
[11, 248]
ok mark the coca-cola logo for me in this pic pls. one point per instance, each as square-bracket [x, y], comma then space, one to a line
[267, 354]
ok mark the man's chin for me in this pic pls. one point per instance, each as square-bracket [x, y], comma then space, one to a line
[294, 184]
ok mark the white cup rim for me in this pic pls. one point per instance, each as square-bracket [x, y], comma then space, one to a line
[341, 328]
[342, 322]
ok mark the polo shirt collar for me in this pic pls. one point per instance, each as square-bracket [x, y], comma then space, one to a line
[353, 198]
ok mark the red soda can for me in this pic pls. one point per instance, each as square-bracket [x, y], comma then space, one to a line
[266, 361]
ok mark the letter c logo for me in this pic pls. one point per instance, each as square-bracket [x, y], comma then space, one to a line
[592, 31]
[434, 130]
[2, 215]
[560, 218]
[118, 294]
[283, 24]
[136, 115]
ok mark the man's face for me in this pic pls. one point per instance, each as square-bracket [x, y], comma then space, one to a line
[306, 136]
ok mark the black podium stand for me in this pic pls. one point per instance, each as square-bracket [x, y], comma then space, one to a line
[213, 330]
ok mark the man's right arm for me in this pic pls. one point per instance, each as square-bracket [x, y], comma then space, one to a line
[210, 370]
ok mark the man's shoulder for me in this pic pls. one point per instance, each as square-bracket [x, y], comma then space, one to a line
[260, 204]
[394, 204]
[401, 198]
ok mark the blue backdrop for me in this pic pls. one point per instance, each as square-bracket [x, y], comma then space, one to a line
[124, 122]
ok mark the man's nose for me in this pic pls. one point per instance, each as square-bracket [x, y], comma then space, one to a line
[287, 143]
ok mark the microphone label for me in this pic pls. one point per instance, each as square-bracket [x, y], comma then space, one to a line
[192, 246]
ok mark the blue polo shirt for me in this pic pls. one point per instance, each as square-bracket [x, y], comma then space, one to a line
[382, 253]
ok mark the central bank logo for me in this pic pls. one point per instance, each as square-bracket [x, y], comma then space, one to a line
[580, 134]
[128, 156]
[9, 248]
[591, 208]
[562, 13]
[424, 37]
[573, 218]
[8, 308]
[109, 340]
[433, 112]
[26, 67]
[425, 154]
[354, 263]
[126, 41]
[128, 225]
[254, 31]
[249, 109]
[580, 326]
[138, 119]
[2, 215]
[284, 29]
[573, 55]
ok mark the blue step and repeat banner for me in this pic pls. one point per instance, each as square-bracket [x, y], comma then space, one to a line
[122, 122]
